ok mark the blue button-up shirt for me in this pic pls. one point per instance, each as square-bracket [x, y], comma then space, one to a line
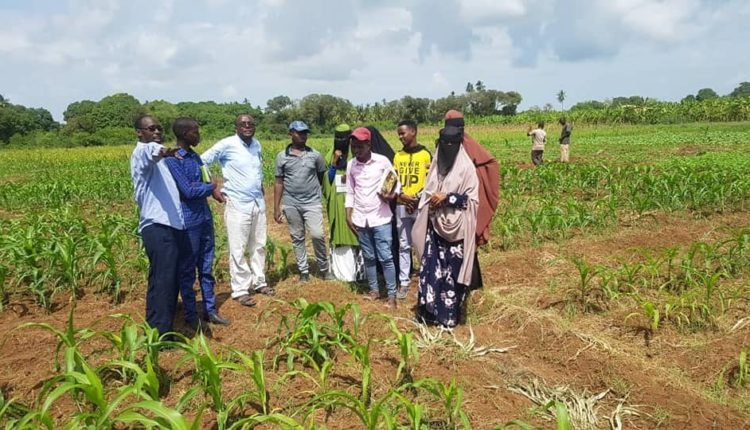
[155, 191]
[242, 168]
[193, 191]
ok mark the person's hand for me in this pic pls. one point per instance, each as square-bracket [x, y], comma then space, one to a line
[218, 196]
[171, 152]
[410, 202]
[387, 197]
[277, 216]
[437, 199]
[350, 223]
[336, 155]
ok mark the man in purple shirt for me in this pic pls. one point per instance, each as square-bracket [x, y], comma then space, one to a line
[368, 212]
[194, 184]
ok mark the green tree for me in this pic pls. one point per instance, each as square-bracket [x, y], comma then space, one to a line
[561, 98]
[117, 110]
[324, 111]
[742, 90]
[278, 104]
[469, 87]
[479, 86]
[706, 94]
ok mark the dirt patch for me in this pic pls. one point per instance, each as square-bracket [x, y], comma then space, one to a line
[672, 382]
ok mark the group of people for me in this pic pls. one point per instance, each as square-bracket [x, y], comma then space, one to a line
[380, 205]
[539, 139]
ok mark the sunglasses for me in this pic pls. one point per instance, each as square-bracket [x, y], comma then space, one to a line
[246, 124]
[152, 128]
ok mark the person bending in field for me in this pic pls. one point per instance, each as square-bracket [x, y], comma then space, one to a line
[161, 223]
[567, 129]
[444, 233]
[368, 211]
[245, 210]
[411, 163]
[538, 139]
[299, 174]
[195, 185]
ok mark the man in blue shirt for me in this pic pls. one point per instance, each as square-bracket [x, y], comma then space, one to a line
[193, 182]
[245, 211]
[161, 223]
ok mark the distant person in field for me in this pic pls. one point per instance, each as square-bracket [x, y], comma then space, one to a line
[161, 223]
[538, 139]
[444, 233]
[368, 211]
[195, 185]
[344, 243]
[411, 163]
[245, 213]
[567, 129]
[299, 173]
[488, 172]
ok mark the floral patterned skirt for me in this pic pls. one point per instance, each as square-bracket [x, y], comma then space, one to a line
[440, 296]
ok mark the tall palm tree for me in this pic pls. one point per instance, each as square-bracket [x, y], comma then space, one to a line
[561, 99]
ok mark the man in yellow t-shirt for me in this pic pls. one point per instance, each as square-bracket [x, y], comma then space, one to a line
[411, 164]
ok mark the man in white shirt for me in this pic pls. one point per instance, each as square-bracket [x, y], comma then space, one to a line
[245, 210]
[538, 139]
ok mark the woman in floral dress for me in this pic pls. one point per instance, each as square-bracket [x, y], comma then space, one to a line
[444, 231]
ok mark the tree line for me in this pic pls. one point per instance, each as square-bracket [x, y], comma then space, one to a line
[109, 120]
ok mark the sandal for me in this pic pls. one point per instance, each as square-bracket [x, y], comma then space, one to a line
[266, 290]
[246, 300]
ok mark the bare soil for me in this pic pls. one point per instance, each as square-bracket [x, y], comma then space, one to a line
[674, 380]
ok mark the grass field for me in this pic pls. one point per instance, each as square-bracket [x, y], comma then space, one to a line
[616, 296]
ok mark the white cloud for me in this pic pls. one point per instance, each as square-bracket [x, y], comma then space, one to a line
[367, 50]
[477, 11]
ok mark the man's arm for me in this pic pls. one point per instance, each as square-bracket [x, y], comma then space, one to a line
[349, 199]
[189, 190]
[278, 189]
[320, 167]
[213, 153]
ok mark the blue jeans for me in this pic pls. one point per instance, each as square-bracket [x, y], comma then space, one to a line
[200, 257]
[375, 243]
[165, 248]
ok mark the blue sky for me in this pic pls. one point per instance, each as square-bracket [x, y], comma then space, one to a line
[53, 53]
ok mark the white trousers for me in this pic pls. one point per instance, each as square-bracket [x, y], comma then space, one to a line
[246, 234]
[344, 262]
[564, 153]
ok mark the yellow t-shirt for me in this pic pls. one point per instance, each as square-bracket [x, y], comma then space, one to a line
[412, 169]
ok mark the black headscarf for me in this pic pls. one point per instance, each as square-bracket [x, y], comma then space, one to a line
[341, 142]
[379, 144]
[448, 146]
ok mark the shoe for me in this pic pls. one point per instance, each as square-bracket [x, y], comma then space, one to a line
[372, 295]
[217, 319]
[196, 325]
[304, 277]
[391, 303]
[327, 276]
[266, 290]
[402, 292]
[246, 300]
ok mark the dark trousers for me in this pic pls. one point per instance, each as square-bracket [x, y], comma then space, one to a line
[536, 156]
[200, 257]
[165, 246]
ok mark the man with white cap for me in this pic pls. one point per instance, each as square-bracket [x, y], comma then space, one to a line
[299, 173]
